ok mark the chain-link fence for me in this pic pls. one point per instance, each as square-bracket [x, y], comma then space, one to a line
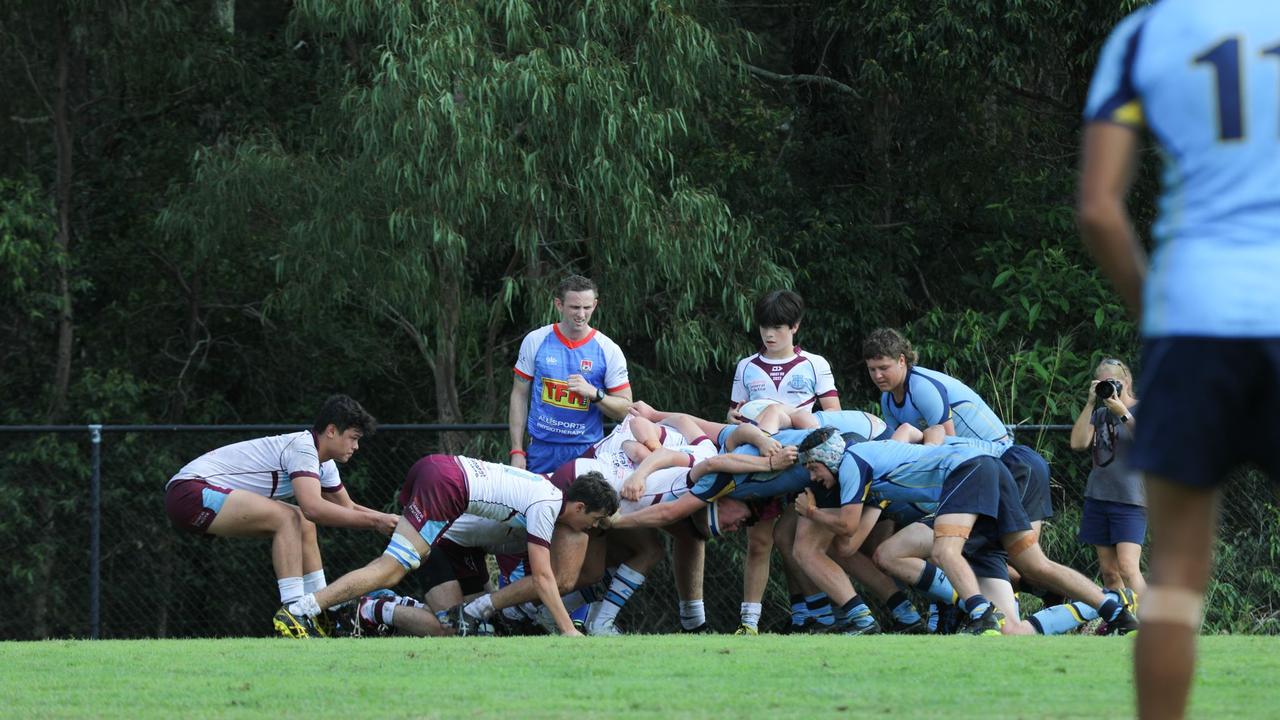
[114, 568]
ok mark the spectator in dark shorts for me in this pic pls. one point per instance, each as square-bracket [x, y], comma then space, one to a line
[1114, 519]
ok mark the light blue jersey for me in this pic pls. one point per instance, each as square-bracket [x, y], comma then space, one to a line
[1205, 78]
[905, 479]
[932, 398]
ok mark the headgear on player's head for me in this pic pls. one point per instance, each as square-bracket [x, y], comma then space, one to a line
[828, 450]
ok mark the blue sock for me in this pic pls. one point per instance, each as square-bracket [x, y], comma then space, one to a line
[934, 616]
[820, 608]
[1060, 619]
[934, 583]
[856, 613]
[976, 605]
[902, 609]
[799, 611]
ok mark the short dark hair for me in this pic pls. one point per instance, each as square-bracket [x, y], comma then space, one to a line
[815, 438]
[887, 342]
[343, 412]
[593, 492]
[780, 307]
[575, 283]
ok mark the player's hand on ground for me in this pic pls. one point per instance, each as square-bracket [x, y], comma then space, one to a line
[387, 523]
[805, 503]
[633, 488]
[642, 409]
[573, 633]
[580, 387]
[518, 461]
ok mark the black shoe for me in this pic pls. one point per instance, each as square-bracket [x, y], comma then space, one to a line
[852, 629]
[900, 628]
[989, 622]
[950, 619]
[1124, 624]
[298, 627]
[813, 627]
[465, 624]
[702, 629]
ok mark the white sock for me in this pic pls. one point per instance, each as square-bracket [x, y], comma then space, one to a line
[751, 614]
[291, 588]
[481, 607]
[314, 582]
[379, 611]
[305, 605]
[407, 601]
[625, 582]
[692, 614]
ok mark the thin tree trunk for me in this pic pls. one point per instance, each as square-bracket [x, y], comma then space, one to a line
[224, 16]
[56, 412]
[448, 409]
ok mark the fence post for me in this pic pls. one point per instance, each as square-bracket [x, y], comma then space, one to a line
[95, 529]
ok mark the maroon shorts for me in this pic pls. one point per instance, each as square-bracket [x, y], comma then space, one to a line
[434, 495]
[193, 504]
[467, 565]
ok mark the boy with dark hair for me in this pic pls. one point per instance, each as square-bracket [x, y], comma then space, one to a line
[236, 491]
[781, 373]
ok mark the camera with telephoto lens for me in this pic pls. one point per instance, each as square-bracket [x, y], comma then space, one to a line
[1107, 388]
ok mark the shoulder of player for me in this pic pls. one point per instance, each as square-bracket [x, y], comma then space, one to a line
[539, 336]
[813, 357]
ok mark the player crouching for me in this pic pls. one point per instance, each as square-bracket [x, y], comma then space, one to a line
[440, 488]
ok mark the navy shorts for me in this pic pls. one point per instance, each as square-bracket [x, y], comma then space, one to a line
[1208, 406]
[1031, 474]
[1104, 522]
[984, 487]
[545, 457]
[987, 561]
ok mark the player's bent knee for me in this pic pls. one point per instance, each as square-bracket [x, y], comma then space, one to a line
[401, 550]
[1173, 606]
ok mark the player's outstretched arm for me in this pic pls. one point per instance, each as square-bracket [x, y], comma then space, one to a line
[660, 515]
[544, 580]
[333, 514]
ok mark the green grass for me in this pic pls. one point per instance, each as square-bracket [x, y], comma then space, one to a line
[642, 676]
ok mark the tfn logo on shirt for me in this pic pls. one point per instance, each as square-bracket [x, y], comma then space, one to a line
[556, 393]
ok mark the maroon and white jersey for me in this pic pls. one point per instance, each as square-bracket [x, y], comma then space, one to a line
[799, 381]
[473, 531]
[514, 497]
[660, 485]
[615, 465]
[265, 466]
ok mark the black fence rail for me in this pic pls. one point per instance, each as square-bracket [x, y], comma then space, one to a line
[90, 553]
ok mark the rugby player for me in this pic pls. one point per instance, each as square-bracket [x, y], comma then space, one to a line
[1203, 78]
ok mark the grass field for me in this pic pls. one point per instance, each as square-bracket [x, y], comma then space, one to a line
[642, 676]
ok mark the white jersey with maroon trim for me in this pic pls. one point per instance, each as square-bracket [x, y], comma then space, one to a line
[473, 531]
[617, 466]
[660, 485]
[514, 497]
[799, 381]
[265, 466]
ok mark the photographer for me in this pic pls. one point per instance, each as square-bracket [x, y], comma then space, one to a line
[1114, 519]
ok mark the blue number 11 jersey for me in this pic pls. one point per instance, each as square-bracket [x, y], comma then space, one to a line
[1204, 77]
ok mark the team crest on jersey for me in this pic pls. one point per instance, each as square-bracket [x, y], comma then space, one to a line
[799, 382]
[585, 365]
[556, 393]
